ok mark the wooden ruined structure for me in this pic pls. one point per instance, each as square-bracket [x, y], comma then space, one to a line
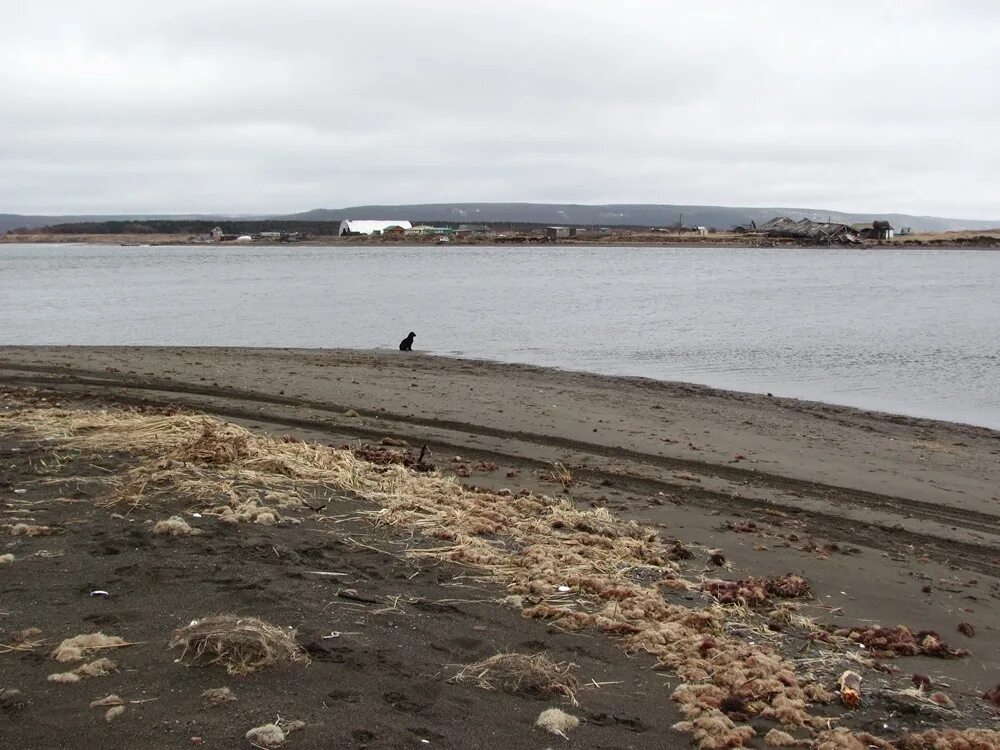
[813, 232]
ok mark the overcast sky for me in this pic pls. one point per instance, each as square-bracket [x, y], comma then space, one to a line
[262, 106]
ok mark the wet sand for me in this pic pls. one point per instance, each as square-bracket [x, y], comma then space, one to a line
[893, 520]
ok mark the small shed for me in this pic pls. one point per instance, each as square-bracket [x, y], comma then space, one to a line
[883, 230]
[879, 230]
[559, 233]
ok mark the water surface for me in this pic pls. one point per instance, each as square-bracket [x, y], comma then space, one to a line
[911, 331]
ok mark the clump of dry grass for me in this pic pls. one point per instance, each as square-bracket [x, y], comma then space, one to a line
[777, 738]
[80, 646]
[250, 512]
[7, 559]
[534, 675]
[114, 704]
[97, 668]
[266, 735]
[28, 529]
[558, 474]
[218, 696]
[22, 641]
[12, 700]
[756, 592]
[951, 739]
[713, 729]
[174, 526]
[240, 644]
[888, 643]
[273, 734]
[556, 721]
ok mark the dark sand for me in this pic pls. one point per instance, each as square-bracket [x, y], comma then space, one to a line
[870, 508]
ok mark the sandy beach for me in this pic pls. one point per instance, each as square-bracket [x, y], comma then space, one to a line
[891, 520]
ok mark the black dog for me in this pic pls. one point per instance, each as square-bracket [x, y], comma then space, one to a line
[406, 345]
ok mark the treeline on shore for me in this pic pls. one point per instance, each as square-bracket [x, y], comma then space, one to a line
[186, 226]
[303, 228]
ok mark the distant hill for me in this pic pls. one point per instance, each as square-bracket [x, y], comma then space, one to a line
[634, 215]
[637, 215]
[18, 221]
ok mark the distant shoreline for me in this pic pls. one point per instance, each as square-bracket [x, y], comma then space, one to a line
[942, 241]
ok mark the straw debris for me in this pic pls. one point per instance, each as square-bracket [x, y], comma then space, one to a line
[534, 546]
[174, 526]
[756, 592]
[556, 721]
[27, 529]
[7, 559]
[218, 696]
[97, 668]
[240, 644]
[951, 739]
[274, 734]
[889, 643]
[81, 646]
[777, 738]
[533, 675]
[114, 704]
[113, 713]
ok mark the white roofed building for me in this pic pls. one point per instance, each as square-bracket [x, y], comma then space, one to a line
[353, 226]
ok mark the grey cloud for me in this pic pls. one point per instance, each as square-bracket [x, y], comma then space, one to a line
[258, 106]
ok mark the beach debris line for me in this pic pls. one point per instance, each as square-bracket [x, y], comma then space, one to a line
[240, 644]
[534, 675]
[530, 544]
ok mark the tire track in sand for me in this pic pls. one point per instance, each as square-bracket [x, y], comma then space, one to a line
[981, 558]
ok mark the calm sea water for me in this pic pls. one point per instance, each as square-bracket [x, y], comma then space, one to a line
[909, 331]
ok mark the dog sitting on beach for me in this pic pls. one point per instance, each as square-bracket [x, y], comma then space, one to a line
[406, 345]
